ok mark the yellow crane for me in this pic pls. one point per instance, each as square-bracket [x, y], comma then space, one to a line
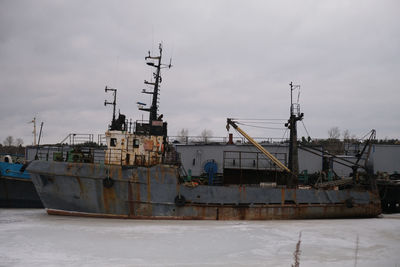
[257, 145]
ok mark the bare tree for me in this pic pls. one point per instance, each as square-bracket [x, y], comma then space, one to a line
[9, 141]
[183, 135]
[334, 133]
[19, 142]
[205, 135]
[346, 135]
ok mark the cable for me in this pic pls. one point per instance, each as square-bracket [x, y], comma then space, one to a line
[265, 122]
[261, 123]
[236, 119]
[298, 96]
[262, 127]
[362, 138]
[305, 128]
[282, 141]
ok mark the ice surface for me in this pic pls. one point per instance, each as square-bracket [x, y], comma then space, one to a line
[33, 238]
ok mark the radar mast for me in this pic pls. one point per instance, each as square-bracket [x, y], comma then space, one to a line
[154, 61]
[295, 116]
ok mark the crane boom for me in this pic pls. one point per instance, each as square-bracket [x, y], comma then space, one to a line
[367, 143]
[257, 145]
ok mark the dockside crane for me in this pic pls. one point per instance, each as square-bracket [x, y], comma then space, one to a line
[232, 123]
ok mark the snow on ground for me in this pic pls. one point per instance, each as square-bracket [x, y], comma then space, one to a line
[30, 237]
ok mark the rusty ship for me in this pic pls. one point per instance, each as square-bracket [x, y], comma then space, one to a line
[140, 177]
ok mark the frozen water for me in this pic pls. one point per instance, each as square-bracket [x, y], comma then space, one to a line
[33, 238]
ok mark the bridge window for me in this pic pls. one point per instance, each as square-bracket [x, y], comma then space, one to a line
[135, 142]
[113, 142]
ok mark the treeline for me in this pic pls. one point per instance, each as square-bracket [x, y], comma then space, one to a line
[340, 142]
[12, 146]
[304, 140]
[341, 146]
[12, 150]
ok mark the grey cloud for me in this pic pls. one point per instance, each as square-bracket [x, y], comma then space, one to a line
[230, 59]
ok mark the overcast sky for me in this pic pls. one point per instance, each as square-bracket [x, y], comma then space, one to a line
[230, 59]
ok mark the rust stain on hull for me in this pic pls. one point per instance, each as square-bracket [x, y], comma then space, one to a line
[268, 212]
[130, 199]
[109, 198]
[148, 186]
[81, 187]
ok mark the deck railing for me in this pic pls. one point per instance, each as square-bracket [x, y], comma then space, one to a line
[98, 155]
[250, 160]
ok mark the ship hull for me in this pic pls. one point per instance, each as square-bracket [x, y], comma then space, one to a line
[389, 192]
[18, 193]
[16, 187]
[155, 193]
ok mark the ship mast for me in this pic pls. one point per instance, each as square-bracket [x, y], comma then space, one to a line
[156, 84]
[34, 130]
[114, 103]
[295, 116]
